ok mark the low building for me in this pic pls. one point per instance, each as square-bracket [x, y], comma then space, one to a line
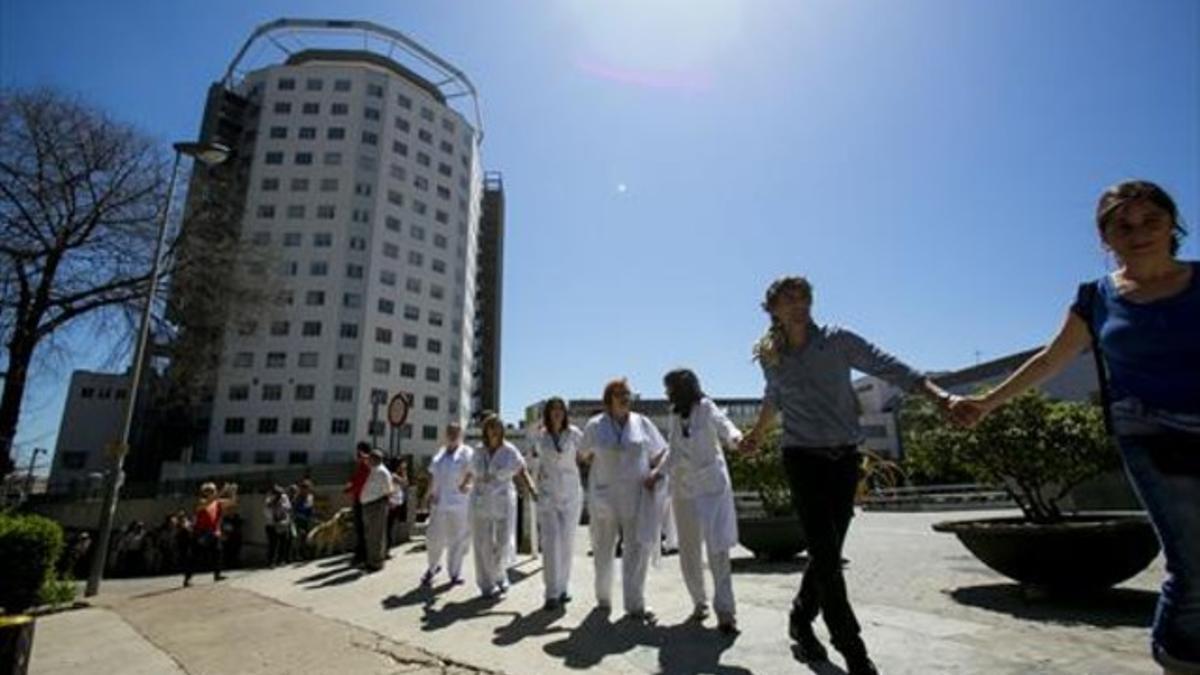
[91, 422]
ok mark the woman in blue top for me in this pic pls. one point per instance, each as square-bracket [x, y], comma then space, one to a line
[1145, 319]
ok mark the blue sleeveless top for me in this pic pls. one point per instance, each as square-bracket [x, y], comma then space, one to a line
[1151, 349]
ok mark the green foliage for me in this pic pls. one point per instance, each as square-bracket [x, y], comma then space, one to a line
[763, 474]
[29, 548]
[57, 592]
[1035, 448]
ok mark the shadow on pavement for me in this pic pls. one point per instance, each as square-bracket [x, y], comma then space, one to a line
[318, 576]
[1105, 609]
[689, 647]
[762, 566]
[437, 618]
[421, 595]
[534, 623]
[820, 667]
[683, 648]
[346, 576]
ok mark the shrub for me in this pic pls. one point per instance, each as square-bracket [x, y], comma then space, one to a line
[1035, 448]
[57, 591]
[29, 548]
[763, 474]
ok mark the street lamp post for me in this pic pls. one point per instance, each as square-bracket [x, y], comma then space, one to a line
[210, 154]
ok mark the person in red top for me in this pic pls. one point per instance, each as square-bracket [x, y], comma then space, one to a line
[206, 530]
[362, 470]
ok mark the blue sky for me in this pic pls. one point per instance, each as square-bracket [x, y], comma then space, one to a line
[931, 165]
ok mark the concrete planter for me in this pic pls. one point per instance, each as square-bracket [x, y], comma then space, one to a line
[1084, 552]
[772, 538]
[16, 643]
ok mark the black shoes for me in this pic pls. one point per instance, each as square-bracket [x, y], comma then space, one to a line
[809, 647]
[860, 665]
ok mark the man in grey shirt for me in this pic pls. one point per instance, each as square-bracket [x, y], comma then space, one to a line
[807, 368]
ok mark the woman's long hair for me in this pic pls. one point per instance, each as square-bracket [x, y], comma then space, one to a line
[770, 347]
[683, 390]
[552, 403]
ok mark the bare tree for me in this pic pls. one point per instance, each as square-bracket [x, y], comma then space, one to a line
[79, 196]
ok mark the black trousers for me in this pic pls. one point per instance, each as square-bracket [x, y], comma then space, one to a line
[823, 483]
[360, 533]
[204, 551]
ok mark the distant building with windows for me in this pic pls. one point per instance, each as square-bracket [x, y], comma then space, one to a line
[91, 420]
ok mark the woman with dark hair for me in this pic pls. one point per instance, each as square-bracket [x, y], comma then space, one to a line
[496, 465]
[807, 369]
[1142, 321]
[702, 493]
[623, 448]
[555, 451]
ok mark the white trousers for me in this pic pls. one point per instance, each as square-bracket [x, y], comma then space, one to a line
[669, 528]
[635, 560]
[493, 549]
[558, 524]
[450, 533]
[691, 561]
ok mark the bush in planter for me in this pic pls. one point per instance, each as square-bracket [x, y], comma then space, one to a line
[29, 547]
[763, 474]
[1035, 448]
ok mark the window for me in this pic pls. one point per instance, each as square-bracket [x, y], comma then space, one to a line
[433, 375]
[429, 432]
[426, 114]
[433, 346]
[361, 216]
[266, 211]
[299, 185]
[326, 212]
[410, 341]
[358, 244]
[446, 148]
[295, 211]
[335, 133]
[280, 328]
[441, 216]
[318, 268]
[339, 426]
[308, 359]
[387, 278]
[402, 124]
[298, 456]
[375, 90]
[268, 425]
[341, 85]
[307, 133]
[276, 359]
[231, 456]
[421, 183]
[447, 126]
[440, 241]
[412, 313]
[387, 306]
[391, 250]
[348, 331]
[243, 360]
[419, 206]
[264, 456]
[313, 84]
[370, 138]
[269, 185]
[437, 292]
[443, 192]
[412, 285]
[438, 266]
[345, 362]
[408, 370]
[235, 425]
[305, 392]
[423, 159]
[314, 298]
[87, 392]
[283, 108]
[310, 108]
[277, 132]
[343, 394]
[395, 197]
[392, 223]
[272, 392]
[381, 366]
[383, 336]
[332, 159]
[352, 300]
[400, 148]
[354, 271]
[415, 258]
[445, 169]
[304, 158]
[311, 329]
[417, 232]
[371, 113]
[375, 428]
[239, 392]
[338, 109]
[424, 136]
[430, 403]
[323, 239]
[286, 84]
[301, 425]
[404, 101]
[436, 319]
[261, 238]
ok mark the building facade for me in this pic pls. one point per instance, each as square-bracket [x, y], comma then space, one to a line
[91, 421]
[362, 188]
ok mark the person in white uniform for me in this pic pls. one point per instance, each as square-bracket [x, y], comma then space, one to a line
[555, 452]
[622, 448]
[495, 465]
[701, 493]
[449, 528]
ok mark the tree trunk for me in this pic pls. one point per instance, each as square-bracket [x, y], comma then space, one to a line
[20, 354]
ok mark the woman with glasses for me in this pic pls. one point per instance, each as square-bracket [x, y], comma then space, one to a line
[701, 493]
[623, 448]
[556, 455]
[1142, 321]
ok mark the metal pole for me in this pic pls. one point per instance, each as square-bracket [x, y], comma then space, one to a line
[113, 482]
[29, 476]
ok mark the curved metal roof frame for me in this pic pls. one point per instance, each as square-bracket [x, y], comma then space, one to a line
[454, 82]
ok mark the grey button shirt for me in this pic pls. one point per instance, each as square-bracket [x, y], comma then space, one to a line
[811, 386]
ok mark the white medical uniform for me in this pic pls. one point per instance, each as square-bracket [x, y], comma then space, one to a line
[494, 513]
[449, 526]
[560, 500]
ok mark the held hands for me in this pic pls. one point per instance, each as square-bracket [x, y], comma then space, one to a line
[749, 443]
[652, 479]
[967, 411]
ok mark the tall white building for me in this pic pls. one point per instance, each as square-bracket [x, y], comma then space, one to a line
[362, 185]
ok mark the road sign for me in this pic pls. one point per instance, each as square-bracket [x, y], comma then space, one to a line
[397, 410]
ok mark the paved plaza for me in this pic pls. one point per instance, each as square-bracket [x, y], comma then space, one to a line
[926, 606]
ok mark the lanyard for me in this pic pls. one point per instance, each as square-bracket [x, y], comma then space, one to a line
[619, 428]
